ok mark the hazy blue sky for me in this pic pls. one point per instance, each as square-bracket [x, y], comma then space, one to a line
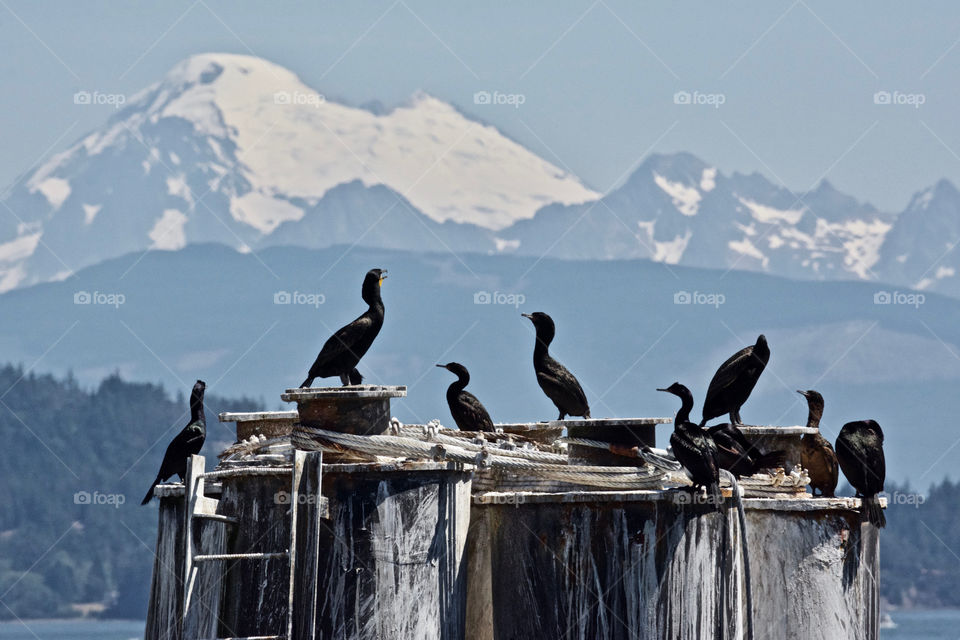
[598, 79]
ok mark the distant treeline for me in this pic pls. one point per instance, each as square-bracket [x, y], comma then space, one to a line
[74, 464]
[73, 470]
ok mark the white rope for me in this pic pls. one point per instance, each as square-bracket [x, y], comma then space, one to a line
[249, 471]
[737, 496]
[609, 477]
[657, 457]
[498, 448]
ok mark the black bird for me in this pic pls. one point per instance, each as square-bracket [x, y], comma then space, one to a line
[860, 454]
[187, 443]
[693, 447]
[738, 455]
[816, 452]
[343, 350]
[734, 380]
[559, 384]
[466, 410]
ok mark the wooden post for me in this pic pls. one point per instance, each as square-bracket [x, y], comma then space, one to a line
[166, 590]
[307, 506]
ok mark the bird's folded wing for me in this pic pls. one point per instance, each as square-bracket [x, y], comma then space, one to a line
[730, 370]
[344, 338]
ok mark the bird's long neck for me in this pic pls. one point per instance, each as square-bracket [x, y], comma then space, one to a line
[371, 295]
[455, 388]
[196, 411]
[540, 349]
[814, 414]
[683, 415]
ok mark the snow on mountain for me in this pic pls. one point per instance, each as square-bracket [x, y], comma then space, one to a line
[679, 210]
[920, 251]
[230, 147]
[237, 150]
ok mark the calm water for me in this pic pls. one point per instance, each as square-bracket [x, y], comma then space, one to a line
[912, 625]
[72, 630]
[924, 625]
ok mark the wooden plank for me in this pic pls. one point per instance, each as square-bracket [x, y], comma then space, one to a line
[307, 507]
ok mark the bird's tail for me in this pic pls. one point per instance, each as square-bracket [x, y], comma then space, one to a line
[874, 512]
[149, 495]
[306, 383]
[772, 460]
[716, 497]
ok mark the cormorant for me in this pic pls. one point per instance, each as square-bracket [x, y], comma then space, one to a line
[694, 448]
[816, 452]
[559, 384]
[187, 443]
[734, 380]
[738, 455]
[343, 350]
[466, 410]
[860, 454]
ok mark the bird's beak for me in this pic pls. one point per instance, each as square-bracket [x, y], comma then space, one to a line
[667, 390]
[803, 393]
[442, 366]
[527, 316]
[383, 276]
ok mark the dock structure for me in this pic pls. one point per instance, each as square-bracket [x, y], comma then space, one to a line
[336, 521]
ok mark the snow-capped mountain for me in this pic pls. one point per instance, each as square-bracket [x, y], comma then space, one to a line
[919, 250]
[679, 210]
[231, 147]
[237, 150]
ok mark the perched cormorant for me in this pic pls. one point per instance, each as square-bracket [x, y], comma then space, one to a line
[738, 455]
[693, 447]
[466, 410]
[187, 443]
[860, 454]
[816, 452]
[559, 384]
[343, 350]
[734, 380]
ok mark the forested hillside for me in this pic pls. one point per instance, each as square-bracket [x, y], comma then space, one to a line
[56, 548]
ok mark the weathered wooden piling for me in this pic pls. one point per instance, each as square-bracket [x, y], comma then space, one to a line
[644, 565]
[357, 543]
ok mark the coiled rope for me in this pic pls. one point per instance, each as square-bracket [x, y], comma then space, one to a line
[310, 438]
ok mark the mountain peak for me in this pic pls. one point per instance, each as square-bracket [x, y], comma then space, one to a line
[941, 194]
[204, 68]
